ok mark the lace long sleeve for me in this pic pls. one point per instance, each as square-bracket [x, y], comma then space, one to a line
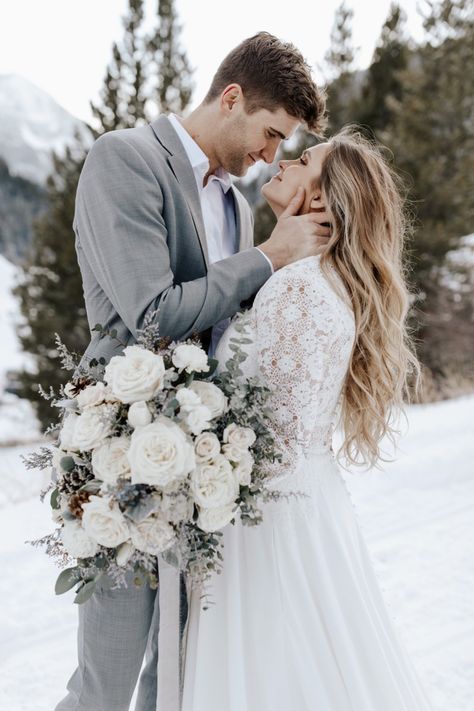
[304, 336]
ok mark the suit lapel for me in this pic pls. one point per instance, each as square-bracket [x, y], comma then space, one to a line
[184, 174]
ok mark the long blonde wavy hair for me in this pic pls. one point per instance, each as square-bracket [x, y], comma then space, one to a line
[366, 205]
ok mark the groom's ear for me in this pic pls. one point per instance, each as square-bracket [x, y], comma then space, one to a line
[231, 95]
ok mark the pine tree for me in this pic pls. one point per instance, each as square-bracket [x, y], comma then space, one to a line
[433, 142]
[50, 293]
[168, 64]
[383, 84]
[145, 70]
[339, 60]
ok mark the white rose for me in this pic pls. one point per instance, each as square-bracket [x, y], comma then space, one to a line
[242, 437]
[76, 540]
[206, 446]
[136, 375]
[109, 461]
[190, 358]
[211, 396]
[213, 519]
[243, 470]
[233, 453]
[139, 415]
[197, 419]
[160, 453]
[213, 483]
[152, 535]
[91, 427]
[67, 431]
[104, 522]
[92, 395]
[187, 397]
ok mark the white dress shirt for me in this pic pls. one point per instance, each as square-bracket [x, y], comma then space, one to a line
[218, 210]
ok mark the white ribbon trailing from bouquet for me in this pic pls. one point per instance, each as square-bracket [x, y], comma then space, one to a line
[171, 642]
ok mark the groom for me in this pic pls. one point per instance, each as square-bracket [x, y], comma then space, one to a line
[159, 225]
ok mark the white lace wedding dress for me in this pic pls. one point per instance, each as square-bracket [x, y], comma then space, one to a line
[298, 621]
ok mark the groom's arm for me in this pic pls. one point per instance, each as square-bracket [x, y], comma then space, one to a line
[121, 231]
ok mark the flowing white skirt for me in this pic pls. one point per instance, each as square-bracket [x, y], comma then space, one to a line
[298, 620]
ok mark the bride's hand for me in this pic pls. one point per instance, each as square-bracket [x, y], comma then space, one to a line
[297, 236]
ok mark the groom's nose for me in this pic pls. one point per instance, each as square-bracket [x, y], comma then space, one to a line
[269, 151]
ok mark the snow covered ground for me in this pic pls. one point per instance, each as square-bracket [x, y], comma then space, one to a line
[417, 516]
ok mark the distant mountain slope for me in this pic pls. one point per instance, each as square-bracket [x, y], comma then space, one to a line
[32, 125]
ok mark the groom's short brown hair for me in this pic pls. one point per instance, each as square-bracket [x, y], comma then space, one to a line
[272, 74]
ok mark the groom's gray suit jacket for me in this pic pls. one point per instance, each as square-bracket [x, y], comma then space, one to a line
[141, 244]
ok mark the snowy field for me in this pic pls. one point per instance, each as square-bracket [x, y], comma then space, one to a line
[417, 517]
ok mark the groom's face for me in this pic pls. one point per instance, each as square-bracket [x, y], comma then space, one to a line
[248, 138]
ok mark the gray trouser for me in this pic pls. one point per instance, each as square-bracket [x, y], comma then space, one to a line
[114, 628]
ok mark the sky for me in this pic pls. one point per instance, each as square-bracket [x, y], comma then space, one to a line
[63, 46]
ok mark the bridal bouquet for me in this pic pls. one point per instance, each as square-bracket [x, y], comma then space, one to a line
[155, 453]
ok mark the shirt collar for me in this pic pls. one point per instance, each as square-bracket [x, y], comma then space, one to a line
[198, 159]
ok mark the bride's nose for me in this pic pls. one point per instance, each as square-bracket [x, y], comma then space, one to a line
[282, 164]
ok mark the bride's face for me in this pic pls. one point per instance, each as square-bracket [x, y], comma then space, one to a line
[304, 171]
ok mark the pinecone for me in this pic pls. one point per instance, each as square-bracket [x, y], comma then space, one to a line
[76, 501]
[70, 482]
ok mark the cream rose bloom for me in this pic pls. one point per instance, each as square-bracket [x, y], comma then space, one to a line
[110, 461]
[152, 535]
[190, 358]
[139, 414]
[211, 396]
[242, 437]
[213, 483]
[213, 519]
[91, 427]
[160, 453]
[233, 453]
[104, 522]
[136, 375]
[76, 540]
[243, 470]
[92, 395]
[206, 447]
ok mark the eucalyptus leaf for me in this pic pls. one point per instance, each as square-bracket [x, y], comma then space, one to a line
[67, 463]
[66, 580]
[85, 592]
[92, 485]
[54, 499]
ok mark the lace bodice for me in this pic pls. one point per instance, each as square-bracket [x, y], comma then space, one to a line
[302, 334]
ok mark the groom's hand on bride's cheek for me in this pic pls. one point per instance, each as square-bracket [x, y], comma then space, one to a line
[297, 236]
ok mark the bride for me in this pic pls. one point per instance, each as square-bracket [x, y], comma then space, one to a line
[298, 620]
